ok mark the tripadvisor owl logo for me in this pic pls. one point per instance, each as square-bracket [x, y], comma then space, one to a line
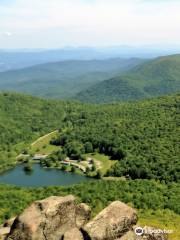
[139, 231]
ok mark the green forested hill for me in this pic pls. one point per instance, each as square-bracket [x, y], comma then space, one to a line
[63, 79]
[23, 118]
[143, 135]
[153, 78]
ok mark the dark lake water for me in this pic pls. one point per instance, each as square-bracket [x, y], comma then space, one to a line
[40, 177]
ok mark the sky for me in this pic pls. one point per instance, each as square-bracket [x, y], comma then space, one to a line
[95, 23]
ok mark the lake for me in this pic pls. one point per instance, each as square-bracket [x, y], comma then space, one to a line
[40, 177]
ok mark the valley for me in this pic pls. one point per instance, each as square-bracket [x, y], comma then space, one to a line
[142, 145]
[90, 120]
[124, 149]
[63, 79]
[97, 81]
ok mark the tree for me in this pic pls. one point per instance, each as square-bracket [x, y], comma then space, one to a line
[73, 169]
[61, 156]
[74, 150]
[88, 147]
[93, 168]
[28, 167]
[98, 175]
[64, 167]
[88, 170]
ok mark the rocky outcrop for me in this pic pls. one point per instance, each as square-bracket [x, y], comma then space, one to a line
[5, 228]
[46, 219]
[9, 222]
[112, 222]
[60, 218]
[83, 214]
[73, 234]
[3, 232]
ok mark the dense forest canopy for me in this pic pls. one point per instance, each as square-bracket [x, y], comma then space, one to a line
[22, 119]
[155, 77]
[63, 79]
[141, 194]
[142, 136]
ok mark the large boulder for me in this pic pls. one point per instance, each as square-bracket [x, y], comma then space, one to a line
[83, 214]
[46, 219]
[60, 218]
[9, 222]
[113, 222]
[129, 236]
[73, 234]
[4, 231]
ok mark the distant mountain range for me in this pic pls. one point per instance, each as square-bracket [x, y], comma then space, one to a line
[156, 77]
[97, 81]
[64, 79]
[18, 59]
[21, 58]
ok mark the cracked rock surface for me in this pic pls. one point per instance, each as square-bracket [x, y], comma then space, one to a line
[60, 218]
[46, 219]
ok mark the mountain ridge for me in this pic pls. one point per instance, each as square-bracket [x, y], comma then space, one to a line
[63, 79]
[155, 77]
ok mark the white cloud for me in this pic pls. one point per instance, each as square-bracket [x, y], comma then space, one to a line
[91, 22]
[9, 34]
[6, 34]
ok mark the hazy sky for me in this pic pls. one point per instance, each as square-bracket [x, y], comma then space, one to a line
[58, 23]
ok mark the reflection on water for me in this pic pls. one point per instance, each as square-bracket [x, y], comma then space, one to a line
[39, 177]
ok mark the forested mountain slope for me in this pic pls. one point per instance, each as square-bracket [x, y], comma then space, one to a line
[143, 135]
[153, 78]
[23, 118]
[63, 79]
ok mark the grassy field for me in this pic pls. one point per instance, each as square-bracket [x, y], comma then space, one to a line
[103, 162]
[42, 145]
[161, 219]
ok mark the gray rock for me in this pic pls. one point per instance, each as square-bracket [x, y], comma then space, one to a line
[83, 214]
[4, 231]
[129, 236]
[57, 218]
[113, 222]
[46, 219]
[9, 222]
[73, 234]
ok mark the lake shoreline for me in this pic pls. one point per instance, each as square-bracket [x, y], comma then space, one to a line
[40, 177]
